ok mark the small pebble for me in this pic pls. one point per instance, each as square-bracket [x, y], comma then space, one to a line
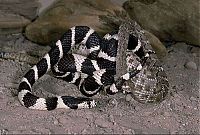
[55, 122]
[113, 101]
[137, 108]
[191, 65]
[137, 131]
[62, 121]
[84, 131]
[167, 114]
[103, 123]
[147, 113]
[133, 132]
[194, 54]
[111, 118]
[16, 103]
[128, 97]
[42, 130]
[193, 99]
[127, 131]
[195, 51]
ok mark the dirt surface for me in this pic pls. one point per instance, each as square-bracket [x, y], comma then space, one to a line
[179, 113]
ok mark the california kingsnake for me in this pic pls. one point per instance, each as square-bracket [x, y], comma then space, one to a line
[91, 67]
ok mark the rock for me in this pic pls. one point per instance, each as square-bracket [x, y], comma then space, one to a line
[168, 20]
[63, 15]
[25, 8]
[180, 47]
[119, 2]
[44, 4]
[16, 14]
[12, 23]
[195, 51]
[191, 65]
[22, 57]
[156, 44]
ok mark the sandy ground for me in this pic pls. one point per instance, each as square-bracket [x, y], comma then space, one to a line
[179, 113]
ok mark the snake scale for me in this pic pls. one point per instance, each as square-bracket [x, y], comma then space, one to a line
[83, 58]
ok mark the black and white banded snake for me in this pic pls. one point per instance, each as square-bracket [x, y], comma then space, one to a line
[92, 72]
